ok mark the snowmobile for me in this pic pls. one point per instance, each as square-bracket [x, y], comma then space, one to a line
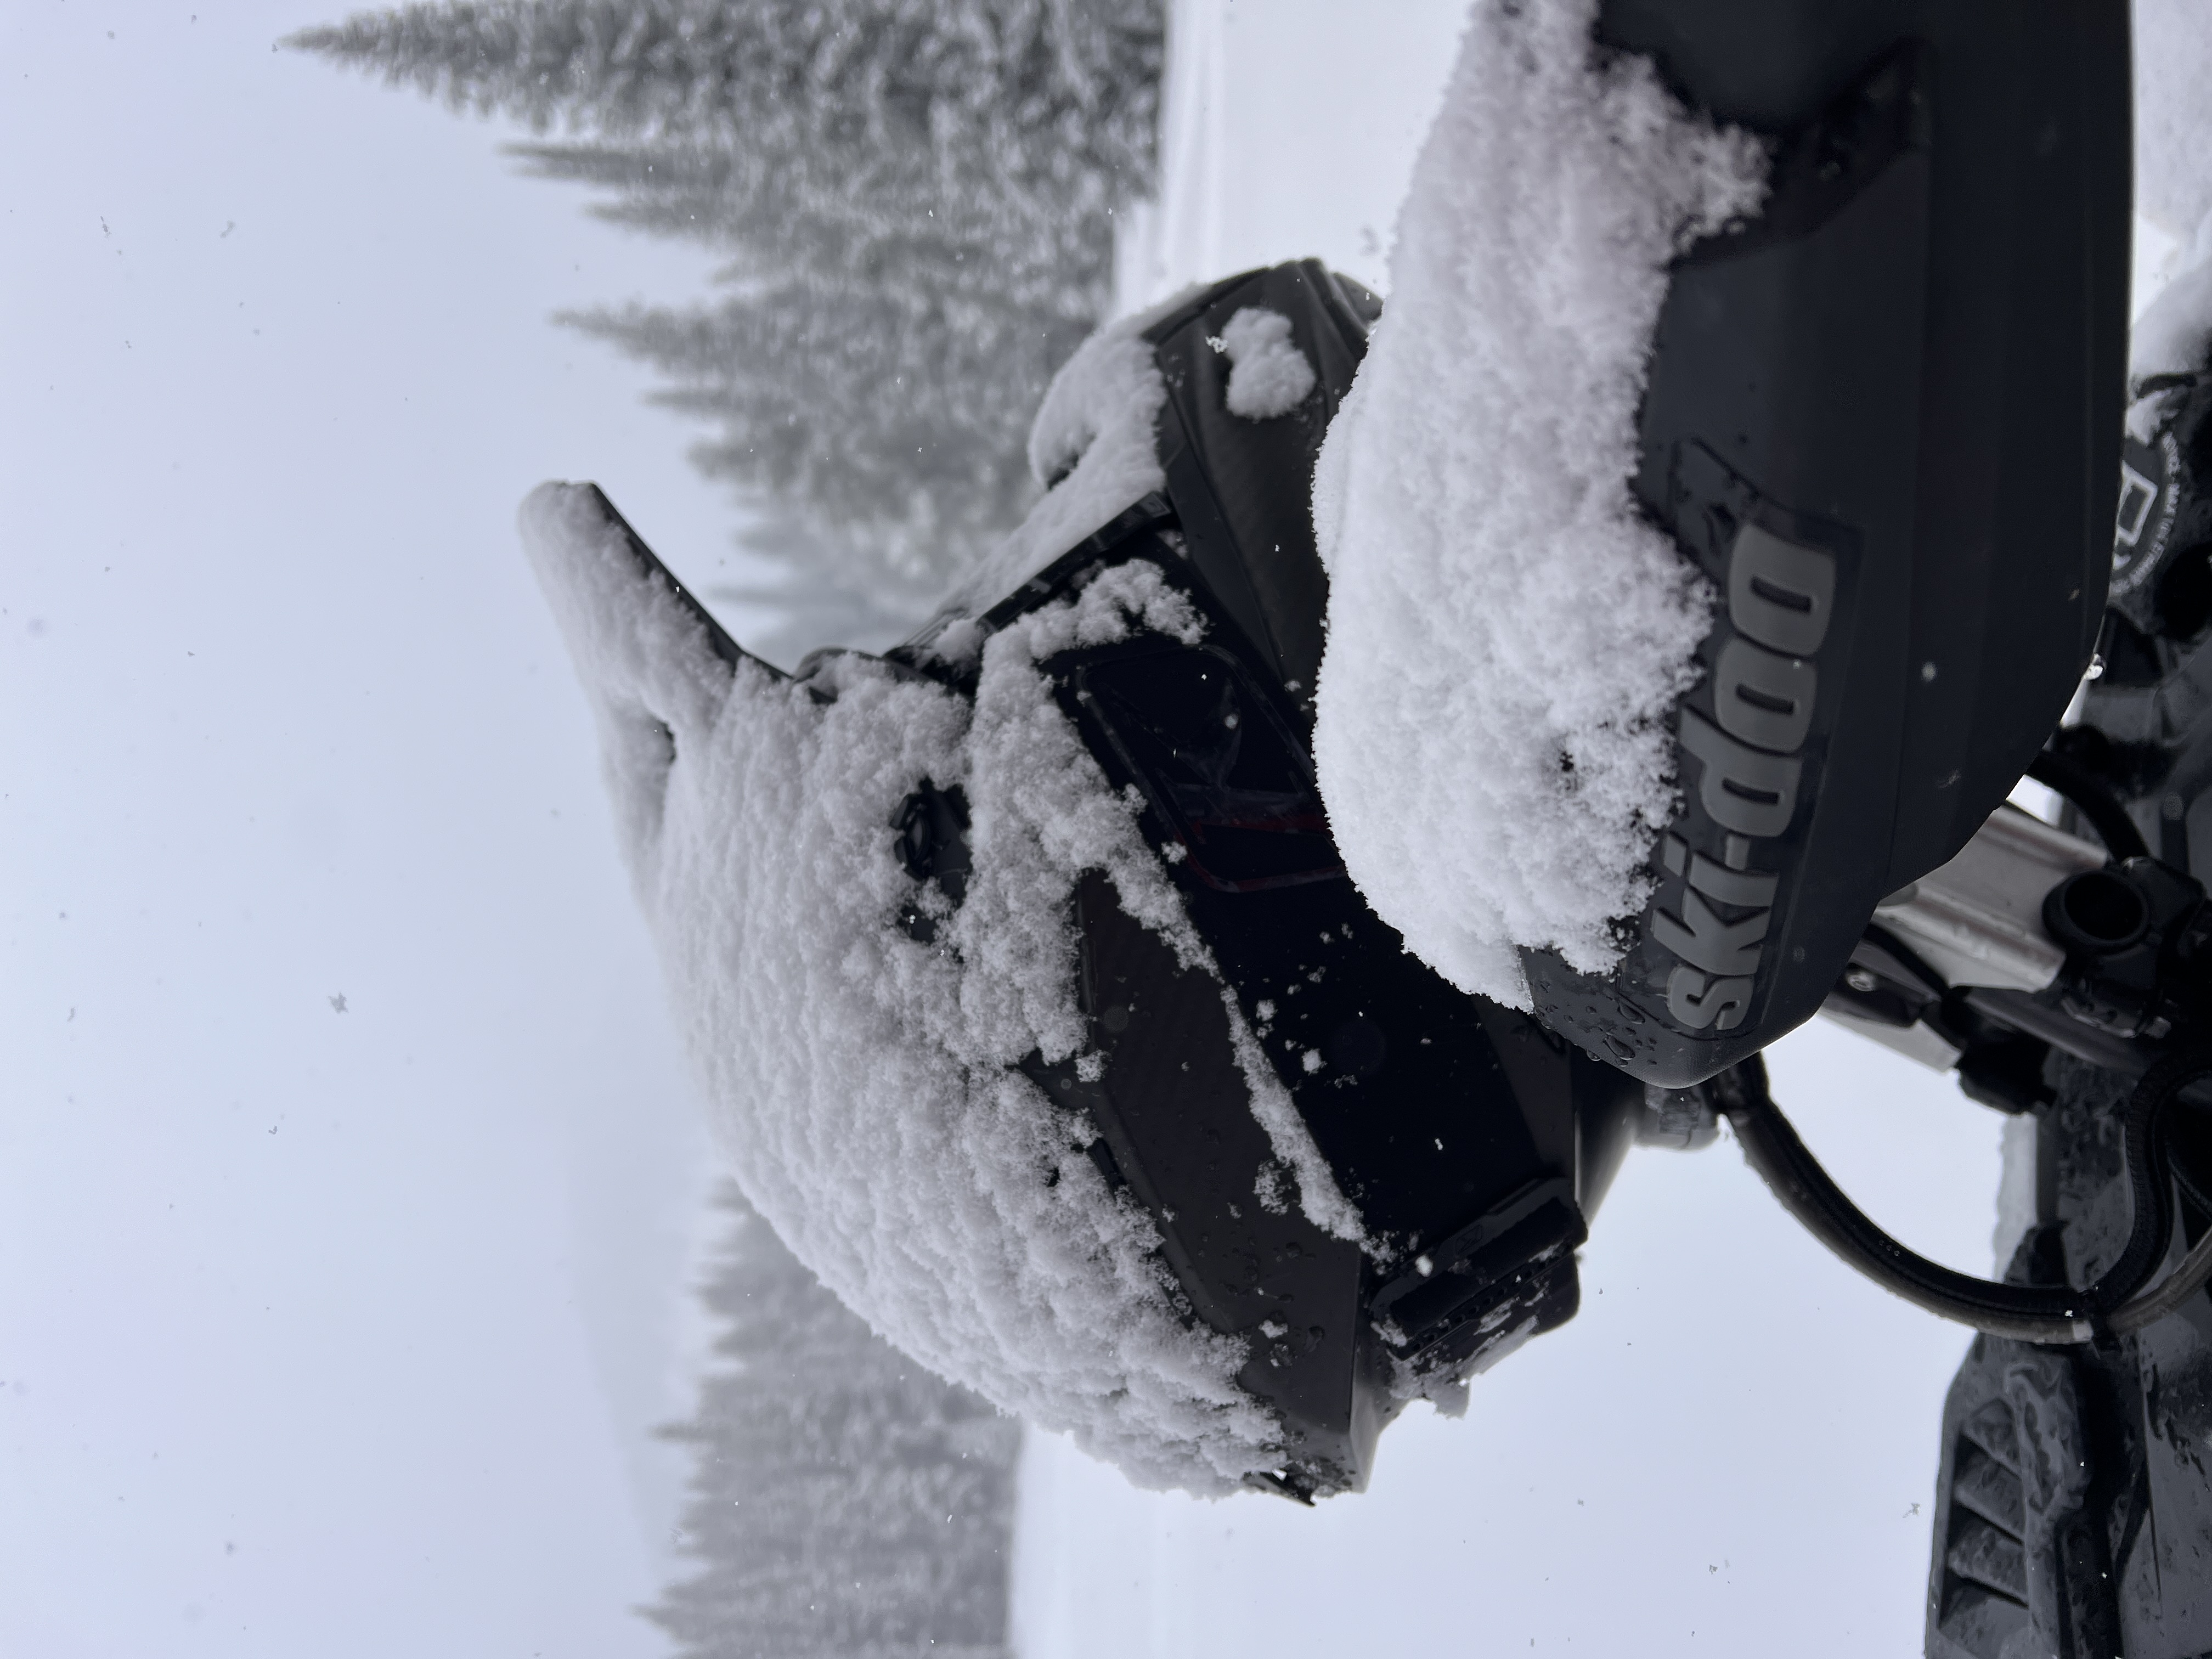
[1888, 418]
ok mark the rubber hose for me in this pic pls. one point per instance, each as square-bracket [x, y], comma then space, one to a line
[2086, 793]
[2160, 1085]
[2169, 1293]
[2038, 1314]
[2150, 1189]
[1770, 1147]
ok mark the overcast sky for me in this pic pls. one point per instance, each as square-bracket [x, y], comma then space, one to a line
[324, 1329]
[346, 1164]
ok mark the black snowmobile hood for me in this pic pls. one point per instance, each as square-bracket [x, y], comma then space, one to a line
[1474, 1144]
[1883, 418]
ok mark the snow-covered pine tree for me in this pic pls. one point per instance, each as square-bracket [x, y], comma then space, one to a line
[916, 196]
[845, 1502]
[887, 420]
[1032, 93]
[1034, 252]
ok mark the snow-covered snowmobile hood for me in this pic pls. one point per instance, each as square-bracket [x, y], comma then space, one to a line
[1038, 1014]
[1721, 522]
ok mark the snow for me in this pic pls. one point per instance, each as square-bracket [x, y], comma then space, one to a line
[2173, 326]
[1093, 446]
[862, 1080]
[1505, 634]
[2174, 81]
[2170, 336]
[1268, 375]
[2015, 1190]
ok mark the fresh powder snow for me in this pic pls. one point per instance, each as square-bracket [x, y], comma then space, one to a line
[2173, 336]
[2170, 342]
[1094, 446]
[2173, 89]
[1268, 375]
[2015, 1190]
[1506, 636]
[862, 1080]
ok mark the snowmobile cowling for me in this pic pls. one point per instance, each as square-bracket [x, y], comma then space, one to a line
[1475, 1145]
[1883, 418]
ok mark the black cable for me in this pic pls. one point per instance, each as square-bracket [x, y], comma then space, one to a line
[2028, 1313]
[2150, 1194]
[2169, 1293]
[2031, 1314]
[2087, 794]
[2159, 1087]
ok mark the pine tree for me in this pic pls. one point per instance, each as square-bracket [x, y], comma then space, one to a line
[889, 420]
[1026, 252]
[845, 1502]
[1024, 90]
[915, 198]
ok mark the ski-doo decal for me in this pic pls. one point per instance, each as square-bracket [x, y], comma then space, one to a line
[1765, 681]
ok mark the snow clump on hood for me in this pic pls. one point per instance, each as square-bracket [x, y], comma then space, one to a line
[1094, 446]
[1268, 375]
[1505, 634]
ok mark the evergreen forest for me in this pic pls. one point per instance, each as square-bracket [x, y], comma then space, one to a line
[915, 202]
[844, 1501]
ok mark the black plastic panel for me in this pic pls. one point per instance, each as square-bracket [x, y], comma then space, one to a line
[1904, 383]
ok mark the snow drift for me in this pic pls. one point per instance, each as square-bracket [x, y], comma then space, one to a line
[1268, 375]
[1505, 634]
[862, 1078]
[1094, 448]
[2173, 88]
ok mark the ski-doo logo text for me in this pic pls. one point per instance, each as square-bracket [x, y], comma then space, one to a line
[1781, 598]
